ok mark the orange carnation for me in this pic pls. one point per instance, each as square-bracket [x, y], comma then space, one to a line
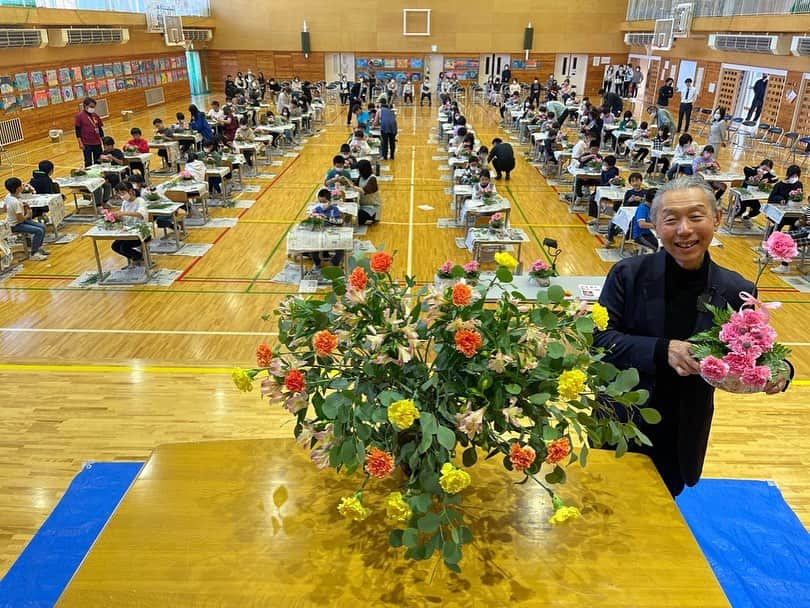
[521, 458]
[294, 381]
[557, 450]
[324, 342]
[381, 261]
[379, 463]
[263, 355]
[461, 294]
[358, 278]
[468, 342]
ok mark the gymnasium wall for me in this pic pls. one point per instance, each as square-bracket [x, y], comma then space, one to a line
[469, 26]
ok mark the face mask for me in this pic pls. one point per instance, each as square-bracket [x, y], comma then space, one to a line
[793, 180]
[91, 110]
[604, 167]
[717, 116]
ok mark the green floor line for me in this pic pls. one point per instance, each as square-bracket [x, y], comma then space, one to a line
[529, 226]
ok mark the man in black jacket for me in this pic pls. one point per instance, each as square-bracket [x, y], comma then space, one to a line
[655, 303]
[612, 101]
[760, 86]
[665, 93]
[502, 158]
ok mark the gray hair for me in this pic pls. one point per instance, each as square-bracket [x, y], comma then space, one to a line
[684, 182]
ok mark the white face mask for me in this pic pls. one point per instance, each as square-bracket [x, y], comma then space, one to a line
[604, 167]
[717, 115]
[91, 110]
[793, 180]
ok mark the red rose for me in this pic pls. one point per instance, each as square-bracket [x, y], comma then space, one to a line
[381, 261]
[294, 381]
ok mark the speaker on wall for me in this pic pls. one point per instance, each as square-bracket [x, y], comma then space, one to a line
[306, 48]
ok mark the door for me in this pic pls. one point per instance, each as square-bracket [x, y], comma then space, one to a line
[573, 67]
[339, 64]
[434, 64]
[195, 78]
[492, 65]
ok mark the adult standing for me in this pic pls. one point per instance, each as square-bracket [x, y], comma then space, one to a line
[388, 131]
[760, 86]
[343, 90]
[502, 158]
[89, 131]
[506, 74]
[638, 78]
[534, 91]
[199, 123]
[687, 102]
[355, 101]
[655, 303]
[665, 93]
[262, 84]
[607, 78]
[275, 88]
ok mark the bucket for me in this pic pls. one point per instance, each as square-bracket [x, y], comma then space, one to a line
[55, 135]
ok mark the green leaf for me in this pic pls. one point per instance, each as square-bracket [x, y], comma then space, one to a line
[557, 475]
[388, 397]
[470, 456]
[428, 423]
[621, 447]
[457, 272]
[514, 389]
[425, 443]
[555, 350]
[464, 534]
[410, 538]
[539, 398]
[332, 272]
[428, 523]
[333, 403]
[348, 452]
[451, 552]
[395, 538]
[650, 415]
[626, 380]
[584, 325]
[454, 567]
[556, 294]
[420, 503]
[447, 438]
[548, 319]
[503, 274]
[583, 455]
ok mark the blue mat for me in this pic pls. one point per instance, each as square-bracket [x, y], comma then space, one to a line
[45, 567]
[757, 547]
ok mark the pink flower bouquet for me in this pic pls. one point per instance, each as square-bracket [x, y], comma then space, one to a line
[739, 354]
[471, 270]
[445, 271]
[186, 175]
[496, 221]
[540, 269]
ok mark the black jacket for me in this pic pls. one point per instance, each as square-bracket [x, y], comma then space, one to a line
[665, 93]
[42, 183]
[634, 294]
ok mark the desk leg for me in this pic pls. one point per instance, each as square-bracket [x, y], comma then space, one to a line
[147, 260]
[176, 227]
[734, 205]
[98, 261]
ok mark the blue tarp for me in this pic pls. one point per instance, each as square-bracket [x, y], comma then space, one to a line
[757, 547]
[40, 574]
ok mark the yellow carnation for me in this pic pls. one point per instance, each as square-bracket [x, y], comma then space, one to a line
[564, 514]
[351, 507]
[402, 413]
[599, 314]
[506, 259]
[571, 384]
[242, 380]
[397, 510]
[452, 479]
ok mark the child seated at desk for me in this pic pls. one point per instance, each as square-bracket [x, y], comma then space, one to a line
[684, 148]
[139, 145]
[350, 161]
[114, 156]
[133, 211]
[359, 144]
[338, 174]
[182, 126]
[632, 198]
[18, 216]
[641, 230]
[707, 162]
[761, 174]
[591, 156]
[211, 154]
[627, 122]
[216, 113]
[662, 140]
[370, 202]
[245, 133]
[165, 133]
[332, 215]
[606, 178]
[42, 183]
[641, 133]
[484, 185]
[473, 167]
[801, 236]
[229, 125]
[785, 190]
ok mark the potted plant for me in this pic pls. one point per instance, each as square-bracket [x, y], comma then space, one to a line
[185, 175]
[406, 390]
[796, 195]
[472, 272]
[497, 221]
[541, 273]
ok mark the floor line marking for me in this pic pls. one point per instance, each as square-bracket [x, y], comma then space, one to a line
[409, 265]
[144, 332]
[159, 369]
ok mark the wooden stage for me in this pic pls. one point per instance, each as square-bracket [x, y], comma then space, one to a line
[94, 374]
[254, 523]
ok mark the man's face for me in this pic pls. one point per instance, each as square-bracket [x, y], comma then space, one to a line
[686, 224]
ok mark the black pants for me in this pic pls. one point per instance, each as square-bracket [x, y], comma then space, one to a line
[664, 161]
[344, 99]
[684, 111]
[407, 98]
[423, 97]
[648, 240]
[501, 166]
[749, 209]
[92, 154]
[319, 256]
[755, 110]
[388, 142]
[130, 249]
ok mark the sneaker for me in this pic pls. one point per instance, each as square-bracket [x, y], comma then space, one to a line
[38, 257]
[781, 269]
[44, 251]
[610, 244]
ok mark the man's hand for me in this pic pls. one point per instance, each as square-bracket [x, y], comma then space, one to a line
[679, 357]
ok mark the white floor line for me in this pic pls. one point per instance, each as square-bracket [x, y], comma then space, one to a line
[409, 266]
[156, 332]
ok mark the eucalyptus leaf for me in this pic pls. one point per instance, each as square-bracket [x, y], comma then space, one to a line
[447, 438]
[428, 523]
[650, 415]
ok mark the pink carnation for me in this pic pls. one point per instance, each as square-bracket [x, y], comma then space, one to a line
[757, 376]
[446, 267]
[497, 216]
[538, 266]
[781, 247]
[713, 369]
[739, 362]
[471, 266]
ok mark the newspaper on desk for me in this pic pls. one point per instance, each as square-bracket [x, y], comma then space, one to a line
[82, 182]
[485, 235]
[189, 186]
[330, 239]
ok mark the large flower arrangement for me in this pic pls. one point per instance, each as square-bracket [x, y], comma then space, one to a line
[739, 353]
[412, 386]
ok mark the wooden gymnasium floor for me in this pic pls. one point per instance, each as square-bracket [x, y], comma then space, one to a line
[107, 375]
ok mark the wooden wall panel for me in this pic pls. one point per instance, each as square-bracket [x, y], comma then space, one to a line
[773, 100]
[276, 64]
[728, 88]
[711, 73]
[803, 104]
[653, 83]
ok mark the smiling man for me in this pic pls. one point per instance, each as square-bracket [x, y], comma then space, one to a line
[656, 302]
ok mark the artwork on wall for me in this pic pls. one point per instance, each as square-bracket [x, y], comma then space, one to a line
[65, 76]
[6, 86]
[361, 63]
[90, 89]
[8, 103]
[21, 81]
[101, 87]
[416, 63]
[108, 70]
[87, 72]
[111, 88]
[78, 91]
[518, 64]
[67, 93]
[76, 73]
[41, 99]
[401, 64]
[26, 101]
[127, 66]
[55, 95]
[37, 80]
[51, 78]
[118, 69]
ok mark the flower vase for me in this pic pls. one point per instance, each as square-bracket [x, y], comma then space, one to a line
[541, 281]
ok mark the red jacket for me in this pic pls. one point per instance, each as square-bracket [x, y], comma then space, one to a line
[89, 128]
[141, 144]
